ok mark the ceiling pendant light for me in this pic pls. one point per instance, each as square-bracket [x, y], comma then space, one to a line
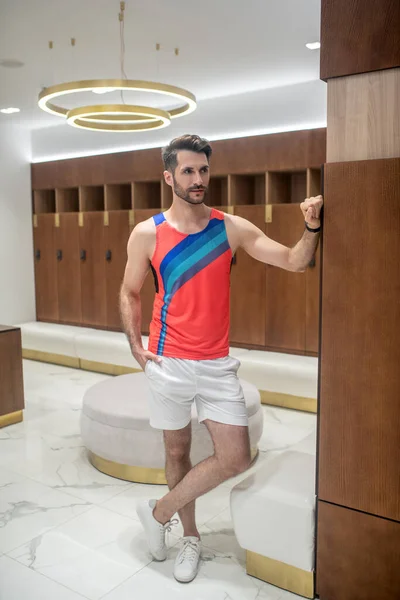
[117, 117]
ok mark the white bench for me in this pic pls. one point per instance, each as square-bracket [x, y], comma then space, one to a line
[282, 379]
[273, 513]
[115, 428]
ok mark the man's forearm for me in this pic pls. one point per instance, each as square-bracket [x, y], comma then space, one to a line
[301, 255]
[131, 316]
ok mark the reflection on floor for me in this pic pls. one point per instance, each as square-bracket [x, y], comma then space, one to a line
[70, 532]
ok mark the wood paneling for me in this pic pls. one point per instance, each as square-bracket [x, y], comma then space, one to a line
[285, 290]
[68, 268]
[93, 266]
[360, 354]
[358, 555]
[217, 192]
[45, 269]
[67, 200]
[313, 276]
[146, 194]
[116, 236]
[257, 154]
[358, 36]
[247, 189]
[248, 296]
[11, 376]
[278, 151]
[148, 290]
[364, 117]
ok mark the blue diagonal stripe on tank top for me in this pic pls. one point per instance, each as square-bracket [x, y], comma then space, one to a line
[195, 240]
[187, 263]
[199, 265]
[188, 260]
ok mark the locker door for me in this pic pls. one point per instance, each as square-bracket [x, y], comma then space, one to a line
[116, 236]
[93, 270]
[45, 269]
[68, 268]
[248, 294]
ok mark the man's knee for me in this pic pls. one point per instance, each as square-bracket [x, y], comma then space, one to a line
[234, 465]
[178, 452]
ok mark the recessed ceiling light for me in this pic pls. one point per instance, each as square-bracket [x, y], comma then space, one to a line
[314, 46]
[11, 63]
[9, 111]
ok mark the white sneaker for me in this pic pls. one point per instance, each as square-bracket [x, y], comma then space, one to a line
[188, 560]
[154, 530]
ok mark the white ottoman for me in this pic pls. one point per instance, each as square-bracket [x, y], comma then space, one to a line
[116, 431]
[273, 513]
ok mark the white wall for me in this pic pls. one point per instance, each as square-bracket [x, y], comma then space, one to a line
[17, 288]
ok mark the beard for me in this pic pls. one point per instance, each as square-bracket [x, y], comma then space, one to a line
[185, 194]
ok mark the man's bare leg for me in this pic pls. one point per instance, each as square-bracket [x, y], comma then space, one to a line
[231, 457]
[177, 465]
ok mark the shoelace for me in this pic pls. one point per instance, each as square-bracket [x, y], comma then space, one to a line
[170, 524]
[190, 551]
[167, 528]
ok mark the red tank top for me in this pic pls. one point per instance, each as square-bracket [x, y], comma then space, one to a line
[192, 276]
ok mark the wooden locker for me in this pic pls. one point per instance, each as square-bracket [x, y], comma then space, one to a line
[285, 290]
[45, 268]
[313, 276]
[93, 270]
[68, 268]
[313, 284]
[148, 289]
[358, 555]
[116, 236]
[248, 289]
[359, 425]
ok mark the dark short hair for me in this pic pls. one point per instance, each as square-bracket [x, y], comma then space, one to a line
[194, 143]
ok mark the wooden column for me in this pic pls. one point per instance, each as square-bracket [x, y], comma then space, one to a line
[358, 523]
[11, 376]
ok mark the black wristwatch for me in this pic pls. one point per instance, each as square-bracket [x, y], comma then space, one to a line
[312, 230]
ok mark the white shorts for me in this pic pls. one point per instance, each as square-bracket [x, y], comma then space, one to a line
[213, 384]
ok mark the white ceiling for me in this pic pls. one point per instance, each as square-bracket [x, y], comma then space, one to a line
[252, 51]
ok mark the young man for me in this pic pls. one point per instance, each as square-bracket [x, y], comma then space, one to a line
[190, 248]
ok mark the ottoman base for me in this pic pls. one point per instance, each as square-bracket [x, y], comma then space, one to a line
[280, 574]
[137, 474]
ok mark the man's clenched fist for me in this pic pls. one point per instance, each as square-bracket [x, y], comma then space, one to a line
[311, 209]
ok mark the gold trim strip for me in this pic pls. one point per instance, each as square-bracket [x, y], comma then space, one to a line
[131, 218]
[288, 401]
[35, 221]
[127, 472]
[231, 210]
[11, 418]
[49, 357]
[106, 218]
[57, 220]
[81, 219]
[135, 474]
[268, 213]
[106, 368]
[280, 574]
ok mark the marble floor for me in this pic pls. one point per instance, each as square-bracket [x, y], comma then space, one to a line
[70, 532]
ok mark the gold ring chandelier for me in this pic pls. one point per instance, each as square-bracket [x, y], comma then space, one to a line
[117, 117]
